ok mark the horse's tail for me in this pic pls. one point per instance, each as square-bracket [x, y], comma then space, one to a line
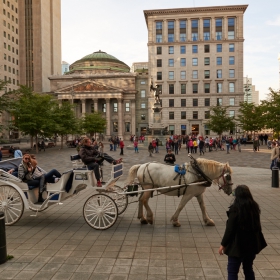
[132, 173]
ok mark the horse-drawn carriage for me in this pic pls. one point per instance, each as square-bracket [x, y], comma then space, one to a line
[101, 209]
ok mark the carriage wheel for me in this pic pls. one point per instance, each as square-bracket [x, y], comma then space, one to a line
[120, 199]
[100, 211]
[11, 204]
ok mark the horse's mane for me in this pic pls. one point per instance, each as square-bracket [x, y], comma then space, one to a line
[211, 165]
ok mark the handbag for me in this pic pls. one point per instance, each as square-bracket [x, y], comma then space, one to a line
[38, 172]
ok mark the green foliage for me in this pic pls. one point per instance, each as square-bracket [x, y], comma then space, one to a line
[93, 123]
[219, 120]
[9, 257]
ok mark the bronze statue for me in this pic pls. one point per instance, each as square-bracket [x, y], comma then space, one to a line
[156, 91]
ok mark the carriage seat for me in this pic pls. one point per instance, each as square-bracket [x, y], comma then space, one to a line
[61, 184]
[116, 173]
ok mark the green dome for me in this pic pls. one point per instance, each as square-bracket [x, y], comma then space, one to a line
[101, 56]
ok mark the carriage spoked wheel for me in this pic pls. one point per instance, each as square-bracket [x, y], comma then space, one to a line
[11, 204]
[100, 211]
[120, 199]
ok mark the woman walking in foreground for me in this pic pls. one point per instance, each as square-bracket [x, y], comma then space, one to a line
[243, 237]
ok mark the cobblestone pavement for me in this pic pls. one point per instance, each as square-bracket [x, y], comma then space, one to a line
[58, 244]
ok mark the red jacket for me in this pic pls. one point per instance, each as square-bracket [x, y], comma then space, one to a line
[121, 144]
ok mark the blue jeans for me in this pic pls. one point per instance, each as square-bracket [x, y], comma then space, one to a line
[234, 265]
[95, 167]
[50, 176]
[227, 148]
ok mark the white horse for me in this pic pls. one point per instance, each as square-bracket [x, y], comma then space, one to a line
[157, 175]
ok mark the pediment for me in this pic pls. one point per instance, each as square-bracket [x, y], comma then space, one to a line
[87, 86]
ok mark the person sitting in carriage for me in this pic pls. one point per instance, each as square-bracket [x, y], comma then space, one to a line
[92, 158]
[170, 157]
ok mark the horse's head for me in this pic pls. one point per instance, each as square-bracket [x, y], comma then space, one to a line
[218, 172]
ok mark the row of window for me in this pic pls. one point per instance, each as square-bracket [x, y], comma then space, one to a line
[195, 102]
[115, 107]
[10, 80]
[206, 35]
[12, 6]
[9, 15]
[195, 115]
[10, 26]
[9, 48]
[10, 69]
[183, 74]
[219, 48]
[11, 59]
[9, 37]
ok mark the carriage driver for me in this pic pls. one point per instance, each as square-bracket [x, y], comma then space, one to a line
[92, 158]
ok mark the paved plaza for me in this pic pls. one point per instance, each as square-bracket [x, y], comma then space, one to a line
[58, 244]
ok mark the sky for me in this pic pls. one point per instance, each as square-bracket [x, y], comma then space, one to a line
[118, 28]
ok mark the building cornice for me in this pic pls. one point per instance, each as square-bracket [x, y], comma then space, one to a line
[91, 76]
[212, 9]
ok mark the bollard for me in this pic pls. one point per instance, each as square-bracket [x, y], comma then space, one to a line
[275, 178]
[3, 248]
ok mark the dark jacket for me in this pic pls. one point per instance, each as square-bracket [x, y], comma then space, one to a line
[170, 158]
[88, 154]
[240, 242]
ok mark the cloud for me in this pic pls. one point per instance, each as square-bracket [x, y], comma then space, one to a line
[274, 22]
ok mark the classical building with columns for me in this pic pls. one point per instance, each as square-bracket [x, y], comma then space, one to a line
[99, 82]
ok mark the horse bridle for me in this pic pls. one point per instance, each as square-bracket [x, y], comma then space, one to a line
[225, 175]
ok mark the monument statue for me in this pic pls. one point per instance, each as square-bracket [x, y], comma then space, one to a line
[156, 91]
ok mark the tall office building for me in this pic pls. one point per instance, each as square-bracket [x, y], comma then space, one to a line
[196, 57]
[39, 42]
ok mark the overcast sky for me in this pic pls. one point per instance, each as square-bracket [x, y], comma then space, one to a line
[118, 27]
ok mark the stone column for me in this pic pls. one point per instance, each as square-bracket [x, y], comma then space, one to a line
[176, 30]
[120, 118]
[108, 117]
[83, 107]
[95, 104]
[224, 33]
[164, 31]
[212, 29]
[132, 114]
[189, 30]
[200, 29]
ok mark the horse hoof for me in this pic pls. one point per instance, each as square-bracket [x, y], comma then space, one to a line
[150, 222]
[143, 222]
[176, 224]
[210, 223]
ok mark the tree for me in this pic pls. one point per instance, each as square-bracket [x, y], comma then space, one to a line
[65, 121]
[219, 121]
[271, 111]
[93, 123]
[250, 117]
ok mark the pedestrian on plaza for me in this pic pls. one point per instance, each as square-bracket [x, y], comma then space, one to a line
[121, 146]
[157, 142]
[101, 148]
[190, 146]
[176, 146]
[201, 146]
[167, 147]
[239, 144]
[150, 149]
[243, 237]
[256, 144]
[115, 143]
[169, 157]
[227, 145]
[275, 154]
[111, 143]
[42, 146]
[135, 144]
[17, 153]
[195, 145]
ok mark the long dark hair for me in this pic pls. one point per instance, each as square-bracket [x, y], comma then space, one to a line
[247, 208]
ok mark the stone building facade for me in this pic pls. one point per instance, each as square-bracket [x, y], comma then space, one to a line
[196, 57]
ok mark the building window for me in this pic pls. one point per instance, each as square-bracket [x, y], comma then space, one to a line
[231, 73]
[206, 29]
[207, 102]
[104, 107]
[182, 49]
[143, 93]
[219, 101]
[171, 50]
[231, 113]
[115, 107]
[183, 103]
[231, 47]
[159, 63]
[183, 75]
[171, 102]
[195, 102]
[207, 88]
[231, 60]
[219, 87]
[159, 50]
[183, 89]
[171, 115]
[171, 88]
[183, 115]
[231, 101]
[219, 74]
[219, 48]
[194, 61]
[231, 24]
[127, 106]
[231, 87]
[159, 76]
[194, 88]
[143, 82]
[5, 56]
[171, 62]
[115, 126]
[206, 74]
[159, 31]
[170, 38]
[195, 74]
[170, 31]
[171, 75]
[194, 29]
[207, 115]
[206, 48]
[183, 30]
[219, 61]
[194, 49]
[127, 127]
[206, 61]
[219, 28]
[143, 105]
[195, 115]
[183, 62]
[143, 117]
